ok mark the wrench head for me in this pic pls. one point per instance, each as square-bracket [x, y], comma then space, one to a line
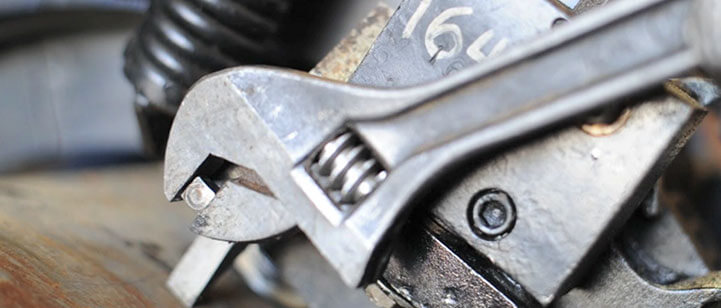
[254, 117]
[252, 131]
[210, 139]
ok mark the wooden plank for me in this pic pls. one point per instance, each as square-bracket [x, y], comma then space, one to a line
[96, 238]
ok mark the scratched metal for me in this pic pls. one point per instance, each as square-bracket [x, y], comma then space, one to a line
[425, 39]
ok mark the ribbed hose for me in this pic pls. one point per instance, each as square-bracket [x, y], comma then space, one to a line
[183, 40]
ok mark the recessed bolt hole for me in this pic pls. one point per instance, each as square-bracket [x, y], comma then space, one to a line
[491, 214]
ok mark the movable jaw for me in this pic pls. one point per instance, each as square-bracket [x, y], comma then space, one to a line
[209, 137]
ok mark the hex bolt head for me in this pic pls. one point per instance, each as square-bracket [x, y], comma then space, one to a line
[199, 194]
[491, 214]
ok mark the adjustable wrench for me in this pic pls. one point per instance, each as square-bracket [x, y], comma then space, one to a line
[344, 162]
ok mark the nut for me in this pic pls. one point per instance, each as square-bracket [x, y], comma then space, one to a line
[199, 194]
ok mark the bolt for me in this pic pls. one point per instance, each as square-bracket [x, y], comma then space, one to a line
[199, 194]
[491, 214]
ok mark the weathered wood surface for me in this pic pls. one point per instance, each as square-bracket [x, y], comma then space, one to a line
[96, 238]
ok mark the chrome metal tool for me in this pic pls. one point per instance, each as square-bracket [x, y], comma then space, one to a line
[344, 163]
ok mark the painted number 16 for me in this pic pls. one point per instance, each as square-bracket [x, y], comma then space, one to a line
[439, 26]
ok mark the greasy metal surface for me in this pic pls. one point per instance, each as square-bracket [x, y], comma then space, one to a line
[427, 273]
[95, 238]
[295, 260]
[651, 264]
[560, 226]
[373, 77]
[594, 74]
[226, 218]
[615, 284]
[659, 250]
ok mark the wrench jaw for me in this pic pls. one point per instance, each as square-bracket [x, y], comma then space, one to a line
[238, 119]
[209, 141]
[192, 142]
[227, 119]
[239, 214]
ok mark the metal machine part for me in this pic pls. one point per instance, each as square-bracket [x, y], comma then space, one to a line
[705, 94]
[433, 268]
[202, 263]
[429, 39]
[603, 179]
[540, 192]
[426, 272]
[428, 278]
[658, 249]
[615, 284]
[278, 142]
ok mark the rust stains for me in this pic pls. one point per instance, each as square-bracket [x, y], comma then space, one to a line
[36, 271]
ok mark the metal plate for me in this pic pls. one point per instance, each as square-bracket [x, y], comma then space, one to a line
[569, 188]
[468, 32]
